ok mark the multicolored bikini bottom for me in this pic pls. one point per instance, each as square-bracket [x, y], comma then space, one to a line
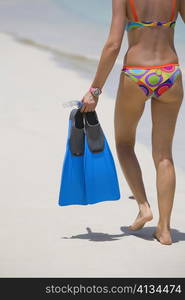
[154, 80]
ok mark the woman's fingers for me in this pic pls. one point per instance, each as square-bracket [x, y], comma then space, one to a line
[82, 109]
[87, 108]
[89, 103]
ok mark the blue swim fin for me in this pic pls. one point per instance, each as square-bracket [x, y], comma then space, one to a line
[101, 180]
[89, 177]
[72, 188]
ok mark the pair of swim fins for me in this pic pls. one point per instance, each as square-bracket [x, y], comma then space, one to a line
[88, 175]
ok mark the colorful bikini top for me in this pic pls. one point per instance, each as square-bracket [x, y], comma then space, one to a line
[137, 24]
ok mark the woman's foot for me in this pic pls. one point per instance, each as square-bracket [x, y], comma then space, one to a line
[144, 215]
[163, 236]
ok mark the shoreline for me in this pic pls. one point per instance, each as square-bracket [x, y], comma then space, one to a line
[86, 67]
[33, 127]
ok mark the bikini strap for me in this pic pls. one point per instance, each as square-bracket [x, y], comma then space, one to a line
[173, 10]
[132, 6]
[133, 9]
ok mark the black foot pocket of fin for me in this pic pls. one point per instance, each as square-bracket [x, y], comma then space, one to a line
[94, 132]
[77, 136]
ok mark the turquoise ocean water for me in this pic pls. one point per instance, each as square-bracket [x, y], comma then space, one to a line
[75, 31]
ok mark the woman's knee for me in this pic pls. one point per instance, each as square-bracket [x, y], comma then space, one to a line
[162, 159]
[124, 146]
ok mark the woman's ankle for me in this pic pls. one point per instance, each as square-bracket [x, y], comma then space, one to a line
[144, 205]
[162, 225]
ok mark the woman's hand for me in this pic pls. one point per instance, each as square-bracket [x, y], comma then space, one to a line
[89, 102]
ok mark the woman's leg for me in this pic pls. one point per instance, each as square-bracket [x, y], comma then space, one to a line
[130, 103]
[164, 115]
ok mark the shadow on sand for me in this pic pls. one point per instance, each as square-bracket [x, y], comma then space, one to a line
[145, 233]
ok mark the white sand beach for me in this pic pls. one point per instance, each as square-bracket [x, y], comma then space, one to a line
[39, 238]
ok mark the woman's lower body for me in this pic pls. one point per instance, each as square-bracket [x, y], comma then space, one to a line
[165, 105]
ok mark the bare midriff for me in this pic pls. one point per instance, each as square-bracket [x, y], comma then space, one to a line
[150, 46]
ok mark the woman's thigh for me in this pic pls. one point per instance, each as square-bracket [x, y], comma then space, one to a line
[165, 110]
[130, 103]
